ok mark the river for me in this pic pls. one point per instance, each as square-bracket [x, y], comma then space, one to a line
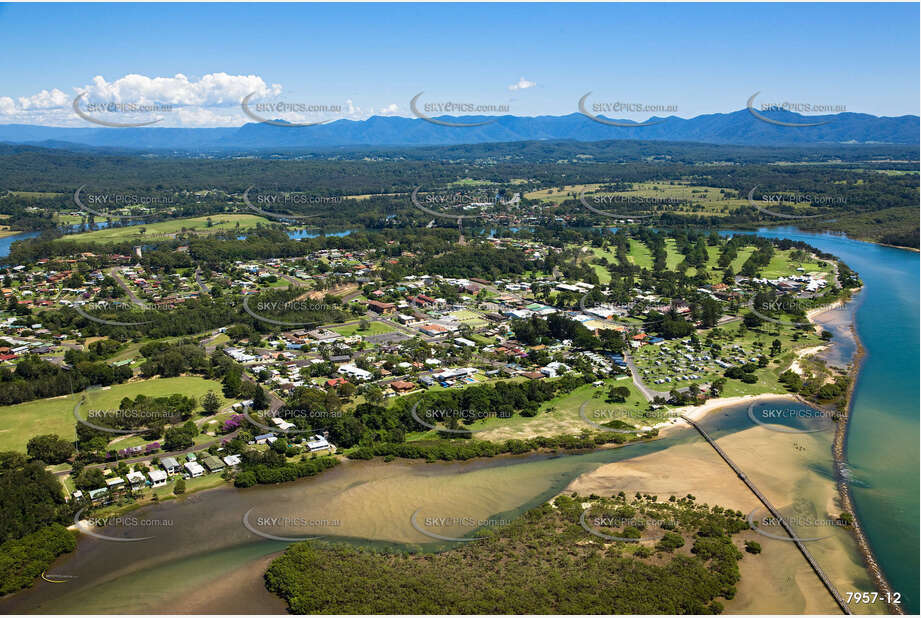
[7, 241]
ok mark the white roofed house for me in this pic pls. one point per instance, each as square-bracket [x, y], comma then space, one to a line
[170, 465]
[157, 478]
[319, 443]
[194, 469]
[232, 460]
[136, 479]
[115, 483]
[355, 372]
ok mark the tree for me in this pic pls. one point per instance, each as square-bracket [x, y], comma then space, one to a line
[232, 383]
[364, 324]
[210, 403]
[776, 347]
[373, 394]
[618, 394]
[177, 438]
[753, 547]
[751, 320]
[50, 448]
[179, 487]
[670, 542]
[260, 399]
[90, 478]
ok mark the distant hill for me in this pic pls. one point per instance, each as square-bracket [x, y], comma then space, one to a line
[740, 128]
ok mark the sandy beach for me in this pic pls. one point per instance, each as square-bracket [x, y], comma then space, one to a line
[795, 366]
[696, 413]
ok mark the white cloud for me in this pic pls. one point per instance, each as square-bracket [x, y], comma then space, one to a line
[211, 100]
[211, 89]
[46, 99]
[522, 84]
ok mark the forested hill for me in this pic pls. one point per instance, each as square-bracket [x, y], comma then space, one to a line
[739, 127]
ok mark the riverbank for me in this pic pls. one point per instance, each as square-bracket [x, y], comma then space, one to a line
[820, 318]
[839, 453]
[697, 413]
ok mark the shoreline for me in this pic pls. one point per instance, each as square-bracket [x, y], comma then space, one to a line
[839, 451]
[839, 456]
[697, 413]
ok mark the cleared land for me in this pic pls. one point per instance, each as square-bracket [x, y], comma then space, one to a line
[173, 226]
[559, 416]
[375, 328]
[21, 422]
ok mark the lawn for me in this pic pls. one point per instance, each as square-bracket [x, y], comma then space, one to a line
[676, 196]
[198, 224]
[640, 254]
[376, 328]
[672, 256]
[782, 266]
[470, 318]
[21, 422]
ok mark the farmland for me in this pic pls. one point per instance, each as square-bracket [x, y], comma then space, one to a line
[196, 224]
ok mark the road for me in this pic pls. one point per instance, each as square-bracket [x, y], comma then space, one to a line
[113, 272]
[275, 402]
[648, 393]
[201, 282]
[776, 514]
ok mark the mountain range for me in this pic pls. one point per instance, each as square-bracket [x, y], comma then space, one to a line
[739, 127]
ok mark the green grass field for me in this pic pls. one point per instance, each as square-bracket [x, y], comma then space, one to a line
[470, 318]
[21, 422]
[197, 224]
[376, 328]
[639, 254]
[555, 196]
[666, 196]
[781, 264]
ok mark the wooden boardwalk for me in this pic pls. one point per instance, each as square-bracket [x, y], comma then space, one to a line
[770, 507]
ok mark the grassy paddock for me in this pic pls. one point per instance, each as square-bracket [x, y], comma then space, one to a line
[173, 226]
[21, 422]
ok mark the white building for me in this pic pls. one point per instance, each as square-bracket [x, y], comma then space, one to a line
[137, 479]
[157, 478]
[318, 443]
[355, 372]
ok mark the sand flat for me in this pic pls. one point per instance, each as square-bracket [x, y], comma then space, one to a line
[792, 470]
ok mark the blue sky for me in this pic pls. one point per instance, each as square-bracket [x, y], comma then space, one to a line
[373, 58]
